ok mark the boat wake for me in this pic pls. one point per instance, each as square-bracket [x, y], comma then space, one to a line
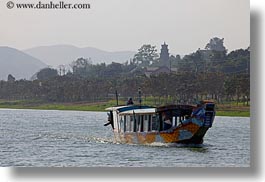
[176, 145]
[110, 140]
[159, 144]
[64, 137]
[101, 140]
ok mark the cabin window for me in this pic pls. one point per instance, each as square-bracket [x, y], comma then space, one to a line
[132, 123]
[149, 122]
[140, 123]
[125, 122]
[135, 123]
[129, 126]
[146, 123]
[128, 123]
[155, 123]
[121, 124]
[174, 121]
[166, 120]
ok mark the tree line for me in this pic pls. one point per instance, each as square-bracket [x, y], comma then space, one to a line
[205, 74]
[182, 88]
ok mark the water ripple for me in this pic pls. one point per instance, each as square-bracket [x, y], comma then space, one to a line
[72, 138]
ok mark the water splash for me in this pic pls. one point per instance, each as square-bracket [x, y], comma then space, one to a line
[60, 136]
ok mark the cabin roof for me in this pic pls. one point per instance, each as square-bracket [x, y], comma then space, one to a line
[114, 108]
[139, 111]
[183, 107]
[127, 108]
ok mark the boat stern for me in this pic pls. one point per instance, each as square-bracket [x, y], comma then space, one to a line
[209, 114]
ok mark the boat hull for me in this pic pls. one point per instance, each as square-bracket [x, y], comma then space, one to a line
[186, 134]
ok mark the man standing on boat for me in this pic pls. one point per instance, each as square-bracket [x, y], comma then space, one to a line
[130, 101]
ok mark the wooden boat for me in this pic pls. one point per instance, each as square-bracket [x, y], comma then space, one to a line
[186, 124]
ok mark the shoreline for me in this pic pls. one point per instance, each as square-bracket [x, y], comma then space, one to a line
[228, 110]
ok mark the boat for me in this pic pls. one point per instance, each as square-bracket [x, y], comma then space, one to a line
[183, 123]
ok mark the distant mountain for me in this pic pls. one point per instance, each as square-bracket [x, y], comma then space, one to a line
[65, 54]
[17, 63]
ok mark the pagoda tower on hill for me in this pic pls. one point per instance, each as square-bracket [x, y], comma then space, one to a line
[164, 56]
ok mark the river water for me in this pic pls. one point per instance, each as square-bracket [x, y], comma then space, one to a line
[74, 138]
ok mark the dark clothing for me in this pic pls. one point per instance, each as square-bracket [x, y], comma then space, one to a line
[130, 102]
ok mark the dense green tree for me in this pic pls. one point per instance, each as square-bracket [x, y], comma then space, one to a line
[216, 44]
[192, 63]
[81, 66]
[146, 55]
[175, 60]
[46, 73]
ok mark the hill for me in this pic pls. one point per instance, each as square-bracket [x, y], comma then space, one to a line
[18, 63]
[65, 54]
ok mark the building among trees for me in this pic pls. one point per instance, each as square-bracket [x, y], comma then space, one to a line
[163, 62]
[11, 78]
[164, 56]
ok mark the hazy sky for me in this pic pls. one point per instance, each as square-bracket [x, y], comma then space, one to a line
[116, 25]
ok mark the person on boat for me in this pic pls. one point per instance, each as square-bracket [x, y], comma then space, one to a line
[166, 121]
[110, 119]
[130, 101]
[198, 112]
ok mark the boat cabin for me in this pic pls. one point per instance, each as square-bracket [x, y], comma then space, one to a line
[134, 118]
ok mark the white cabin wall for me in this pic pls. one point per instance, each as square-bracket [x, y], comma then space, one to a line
[115, 120]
